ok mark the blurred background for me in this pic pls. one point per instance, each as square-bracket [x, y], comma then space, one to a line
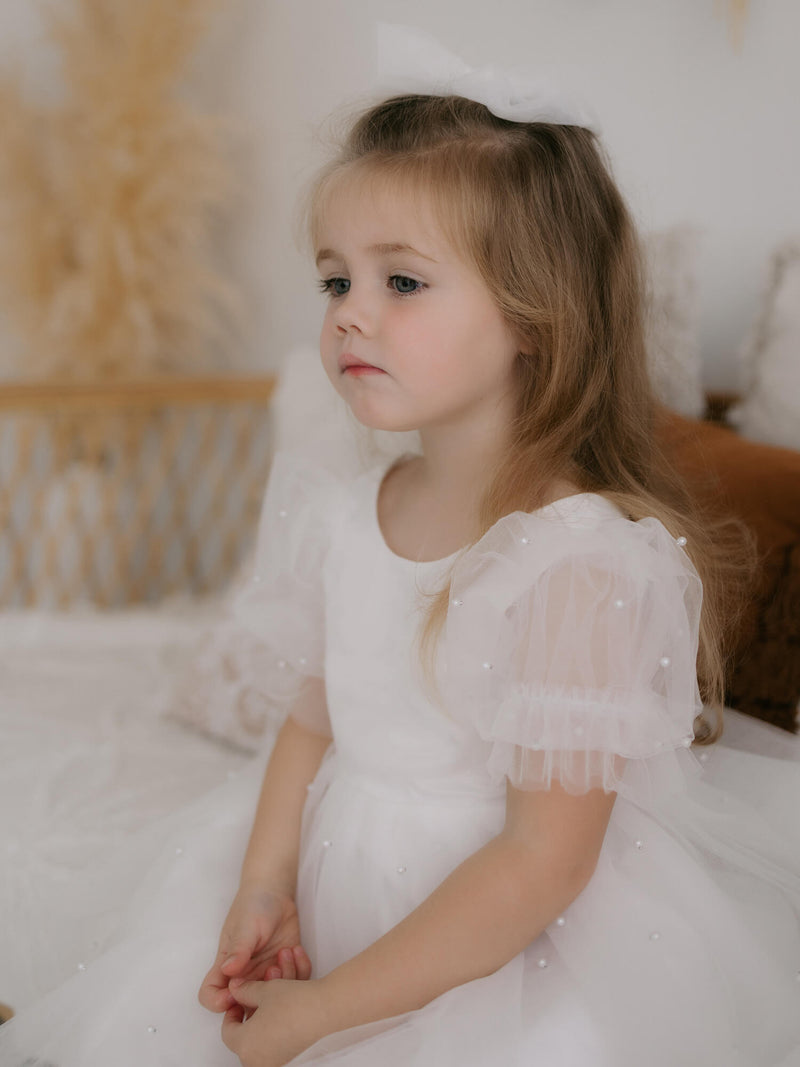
[154, 283]
[697, 100]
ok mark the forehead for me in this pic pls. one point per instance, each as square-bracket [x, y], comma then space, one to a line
[360, 206]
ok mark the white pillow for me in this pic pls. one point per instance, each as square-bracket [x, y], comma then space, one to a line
[770, 411]
[672, 318]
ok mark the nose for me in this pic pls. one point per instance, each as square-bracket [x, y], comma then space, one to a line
[354, 311]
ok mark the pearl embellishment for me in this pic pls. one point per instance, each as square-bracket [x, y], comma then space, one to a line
[655, 936]
[152, 1030]
[687, 741]
[542, 963]
[178, 851]
[619, 603]
[703, 757]
[81, 967]
[401, 870]
[680, 541]
[561, 921]
[665, 661]
[282, 514]
[488, 666]
[281, 664]
[457, 603]
[327, 844]
[525, 540]
[639, 846]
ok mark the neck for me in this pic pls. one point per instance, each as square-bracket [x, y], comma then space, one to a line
[457, 461]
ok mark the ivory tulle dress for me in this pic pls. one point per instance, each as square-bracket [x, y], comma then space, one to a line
[568, 656]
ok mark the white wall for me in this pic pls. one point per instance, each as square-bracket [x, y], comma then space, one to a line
[698, 132]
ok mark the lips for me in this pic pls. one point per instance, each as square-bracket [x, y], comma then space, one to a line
[352, 363]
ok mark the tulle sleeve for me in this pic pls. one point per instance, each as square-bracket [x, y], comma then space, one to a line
[571, 645]
[280, 611]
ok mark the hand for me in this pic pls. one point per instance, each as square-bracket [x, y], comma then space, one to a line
[272, 1022]
[260, 941]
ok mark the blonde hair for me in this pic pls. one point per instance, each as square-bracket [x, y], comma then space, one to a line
[534, 208]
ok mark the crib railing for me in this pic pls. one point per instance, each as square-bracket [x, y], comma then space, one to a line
[123, 493]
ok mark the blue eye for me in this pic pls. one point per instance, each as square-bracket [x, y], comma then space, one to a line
[335, 286]
[404, 285]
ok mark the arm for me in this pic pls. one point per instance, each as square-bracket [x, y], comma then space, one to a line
[261, 935]
[489, 909]
[273, 850]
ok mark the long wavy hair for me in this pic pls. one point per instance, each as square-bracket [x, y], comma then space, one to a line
[534, 208]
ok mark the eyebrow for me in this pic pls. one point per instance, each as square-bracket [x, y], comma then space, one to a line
[391, 249]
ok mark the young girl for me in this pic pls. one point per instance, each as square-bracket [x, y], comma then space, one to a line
[482, 836]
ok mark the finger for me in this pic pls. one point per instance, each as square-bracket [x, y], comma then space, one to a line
[287, 964]
[302, 963]
[272, 973]
[248, 994]
[237, 958]
[232, 1028]
[213, 993]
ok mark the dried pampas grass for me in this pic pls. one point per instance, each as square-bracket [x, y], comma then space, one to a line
[111, 203]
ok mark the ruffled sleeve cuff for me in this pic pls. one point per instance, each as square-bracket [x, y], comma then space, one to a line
[570, 647]
[280, 610]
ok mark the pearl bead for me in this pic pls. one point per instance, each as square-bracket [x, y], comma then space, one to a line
[619, 603]
[178, 851]
[152, 1030]
[703, 757]
[282, 514]
[488, 666]
[81, 967]
[281, 664]
[665, 661]
[688, 741]
[655, 936]
[401, 870]
[327, 844]
[542, 963]
[457, 603]
[525, 540]
[681, 541]
[561, 921]
[302, 661]
[639, 846]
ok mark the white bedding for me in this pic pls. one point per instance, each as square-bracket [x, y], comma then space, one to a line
[87, 759]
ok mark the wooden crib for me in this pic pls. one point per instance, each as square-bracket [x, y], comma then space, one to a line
[119, 493]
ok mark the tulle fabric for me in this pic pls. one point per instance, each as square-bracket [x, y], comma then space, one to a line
[278, 612]
[571, 643]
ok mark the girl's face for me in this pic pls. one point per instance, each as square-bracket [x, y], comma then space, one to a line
[411, 338]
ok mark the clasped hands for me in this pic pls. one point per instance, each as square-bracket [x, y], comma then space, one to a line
[261, 980]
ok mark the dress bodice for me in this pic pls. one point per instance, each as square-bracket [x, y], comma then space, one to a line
[387, 723]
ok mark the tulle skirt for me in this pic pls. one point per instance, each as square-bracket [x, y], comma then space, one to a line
[683, 949]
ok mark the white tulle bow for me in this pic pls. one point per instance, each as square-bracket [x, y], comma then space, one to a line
[411, 61]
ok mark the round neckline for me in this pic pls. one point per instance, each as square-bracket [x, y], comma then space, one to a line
[382, 472]
[381, 475]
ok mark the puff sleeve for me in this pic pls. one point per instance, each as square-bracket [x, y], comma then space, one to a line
[571, 645]
[280, 612]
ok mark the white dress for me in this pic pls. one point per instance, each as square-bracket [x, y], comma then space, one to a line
[568, 655]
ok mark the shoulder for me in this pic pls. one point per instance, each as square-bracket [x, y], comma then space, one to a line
[583, 536]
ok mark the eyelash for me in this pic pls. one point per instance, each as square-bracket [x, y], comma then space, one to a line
[326, 285]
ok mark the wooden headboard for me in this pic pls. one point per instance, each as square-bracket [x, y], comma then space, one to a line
[120, 493]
